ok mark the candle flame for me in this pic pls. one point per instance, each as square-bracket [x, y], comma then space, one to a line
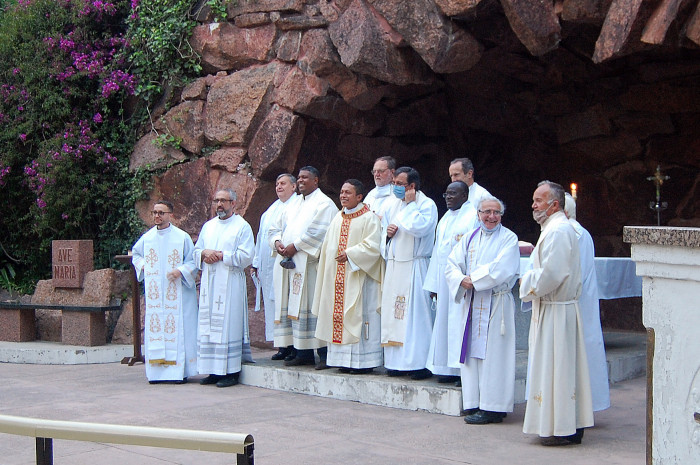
[574, 188]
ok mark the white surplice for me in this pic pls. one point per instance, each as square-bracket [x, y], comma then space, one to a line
[492, 261]
[476, 192]
[264, 262]
[590, 317]
[223, 300]
[559, 389]
[170, 331]
[446, 337]
[378, 200]
[304, 223]
[407, 319]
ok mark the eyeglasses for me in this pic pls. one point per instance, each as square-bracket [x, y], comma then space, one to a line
[159, 213]
[491, 212]
[215, 201]
[376, 172]
[449, 194]
[394, 183]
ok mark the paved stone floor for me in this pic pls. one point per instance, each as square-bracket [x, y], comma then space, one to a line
[290, 428]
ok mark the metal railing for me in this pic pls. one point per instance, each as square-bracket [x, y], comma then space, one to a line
[46, 430]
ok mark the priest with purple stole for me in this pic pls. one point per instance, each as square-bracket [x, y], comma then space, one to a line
[163, 260]
[224, 248]
[480, 272]
[348, 285]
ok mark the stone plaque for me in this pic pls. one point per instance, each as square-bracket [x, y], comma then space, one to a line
[71, 260]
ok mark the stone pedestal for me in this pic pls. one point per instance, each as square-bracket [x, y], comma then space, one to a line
[668, 259]
[17, 325]
[83, 328]
[71, 261]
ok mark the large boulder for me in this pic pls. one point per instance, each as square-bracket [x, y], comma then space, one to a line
[535, 23]
[151, 155]
[238, 102]
[275, 146]
[185, 122]
[367, 44]
[444, 46]
[298, 90]
[224, 46]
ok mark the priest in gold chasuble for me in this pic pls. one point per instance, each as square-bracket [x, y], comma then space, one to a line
[348, 286]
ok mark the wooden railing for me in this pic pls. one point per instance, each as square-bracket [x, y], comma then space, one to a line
[46, 430]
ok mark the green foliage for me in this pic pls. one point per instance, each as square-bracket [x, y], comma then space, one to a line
[160, 54]
[76, 80]
[218, 9]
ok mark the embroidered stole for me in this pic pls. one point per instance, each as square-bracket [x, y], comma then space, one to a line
[162, 254]
[339, 294]
[213, 301]
[397, 288]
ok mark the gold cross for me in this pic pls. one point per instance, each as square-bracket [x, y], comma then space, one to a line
[218, 304]
[174, 258]
[481, 308]
[151, 258]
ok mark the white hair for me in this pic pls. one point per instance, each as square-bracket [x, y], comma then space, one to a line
[569, 206]
[491, 198]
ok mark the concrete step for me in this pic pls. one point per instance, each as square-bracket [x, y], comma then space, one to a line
[626, 355]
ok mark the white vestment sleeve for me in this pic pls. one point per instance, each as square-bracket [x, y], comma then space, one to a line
[243, 248]
[553, 271]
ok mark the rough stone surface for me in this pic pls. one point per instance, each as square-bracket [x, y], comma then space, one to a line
[535, 24]
[444, 46]
[300, 22]
[367, 44]
[585, 11]
[148, 154]
[593, 122]
[70, 262]
[227, 158]
[288, 46]
[252, 19]
[253, 6]
[457, 7]
[196, 90]
[619, 23]
[185, 122]
[17, 325]
[224, 46]
[298, 90]
[236, 102]
[275, 147]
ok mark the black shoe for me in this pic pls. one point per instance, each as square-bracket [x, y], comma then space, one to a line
[228, 380]
[322, 365]
[469, 411]
[291, 355]
[360, 371]
[395, 373]
[281, 353]
[211, 379]
[458, 383]
[555, 441]
[421, 374]
[345, 370]
[447, 379]
[483, 417]
[296, 361]
[180, 381]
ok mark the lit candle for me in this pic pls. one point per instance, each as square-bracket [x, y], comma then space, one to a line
[573, 190]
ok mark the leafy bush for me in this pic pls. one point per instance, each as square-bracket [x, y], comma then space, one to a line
[76, 77]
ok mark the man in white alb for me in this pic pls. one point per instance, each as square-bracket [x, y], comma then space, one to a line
[462, 169]
[163, 260]
[480, 272]
[224, 248]
[297, 237]
[383, 173]
[348, 285]
[590, 312]
[559, 403]
[407, 318]
[264, 260]
[446, 339]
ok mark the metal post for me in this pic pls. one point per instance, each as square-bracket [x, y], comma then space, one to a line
[44, 451]
[246, 458]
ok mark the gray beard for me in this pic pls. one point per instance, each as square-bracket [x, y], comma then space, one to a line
[220, 214]
[539, 216]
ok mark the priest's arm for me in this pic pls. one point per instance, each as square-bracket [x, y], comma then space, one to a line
[555, 262]
[238, 251]
[137, 258]
[417, 219]
[311, 239]
[366, 255]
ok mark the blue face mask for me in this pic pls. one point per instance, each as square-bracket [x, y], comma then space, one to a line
[487, 230]
[400, 191]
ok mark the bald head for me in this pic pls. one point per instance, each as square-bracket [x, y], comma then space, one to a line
[456, 194]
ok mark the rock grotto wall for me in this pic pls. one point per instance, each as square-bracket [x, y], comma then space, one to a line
[597, 92]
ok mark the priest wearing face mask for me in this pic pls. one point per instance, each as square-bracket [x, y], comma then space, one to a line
[559, 403]
[407, 320]
[480, 273]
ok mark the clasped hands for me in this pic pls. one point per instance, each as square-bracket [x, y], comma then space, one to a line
[287, 251]
[467, 283]
[210, 256]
